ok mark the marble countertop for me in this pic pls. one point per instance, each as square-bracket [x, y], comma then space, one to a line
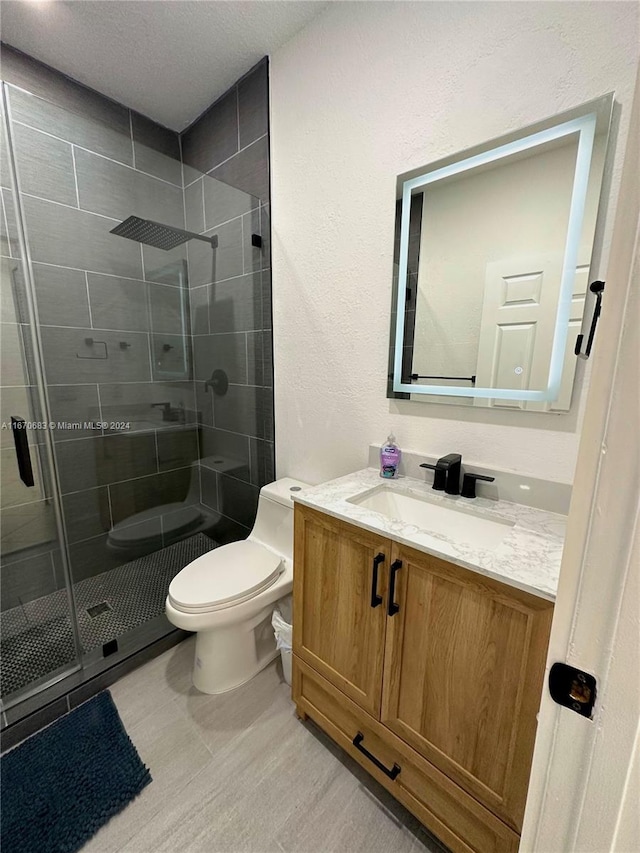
[528, 557]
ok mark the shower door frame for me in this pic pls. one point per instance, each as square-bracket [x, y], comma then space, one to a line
[45, 410]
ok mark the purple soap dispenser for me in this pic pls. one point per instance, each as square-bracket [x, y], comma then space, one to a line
[389, 459]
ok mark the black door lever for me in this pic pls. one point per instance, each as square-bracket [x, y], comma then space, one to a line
[595, 287]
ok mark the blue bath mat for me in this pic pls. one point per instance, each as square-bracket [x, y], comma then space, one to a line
[61, 785]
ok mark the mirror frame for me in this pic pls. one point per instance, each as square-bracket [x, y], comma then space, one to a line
[582, 120]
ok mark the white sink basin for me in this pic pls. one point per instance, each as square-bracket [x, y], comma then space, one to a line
[456, 523]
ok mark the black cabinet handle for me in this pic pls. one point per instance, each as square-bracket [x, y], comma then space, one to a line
[393, 607]
[395, 770]
[375, 598]
[23, 455]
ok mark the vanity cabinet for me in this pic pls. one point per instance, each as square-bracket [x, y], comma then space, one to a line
[429, 675]
[336, 630]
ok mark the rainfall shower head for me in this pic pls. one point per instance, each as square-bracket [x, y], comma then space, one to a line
[158, 235]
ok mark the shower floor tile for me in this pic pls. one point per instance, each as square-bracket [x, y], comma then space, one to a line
[37, 638]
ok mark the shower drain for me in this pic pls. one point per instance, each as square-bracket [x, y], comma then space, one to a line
[97, 609]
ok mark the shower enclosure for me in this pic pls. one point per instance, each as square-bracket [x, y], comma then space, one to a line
[121, 453]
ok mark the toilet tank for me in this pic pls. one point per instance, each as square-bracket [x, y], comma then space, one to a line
[274, 522]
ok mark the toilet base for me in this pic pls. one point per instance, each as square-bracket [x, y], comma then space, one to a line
[229, 656]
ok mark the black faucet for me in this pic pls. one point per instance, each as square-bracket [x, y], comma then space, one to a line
[447, 473]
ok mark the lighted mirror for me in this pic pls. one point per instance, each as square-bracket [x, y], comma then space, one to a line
[492, 266]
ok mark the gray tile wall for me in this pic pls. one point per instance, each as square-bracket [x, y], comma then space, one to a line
[113, 319]
[112, 316]
[112, 312]
[226, 155]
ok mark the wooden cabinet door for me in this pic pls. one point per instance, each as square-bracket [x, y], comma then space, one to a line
[336, 630]
[464, 665]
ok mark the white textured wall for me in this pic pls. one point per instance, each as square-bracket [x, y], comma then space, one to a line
[369, 90]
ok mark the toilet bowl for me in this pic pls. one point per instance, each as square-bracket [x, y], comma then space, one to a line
[227, 596]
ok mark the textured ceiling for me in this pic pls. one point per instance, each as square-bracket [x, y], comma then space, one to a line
[166, 59]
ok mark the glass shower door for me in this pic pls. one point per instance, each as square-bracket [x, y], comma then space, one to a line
[38, 634]
[154, 452]
[113, 320]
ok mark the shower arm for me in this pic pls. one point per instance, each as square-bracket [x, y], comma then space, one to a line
[212, 240]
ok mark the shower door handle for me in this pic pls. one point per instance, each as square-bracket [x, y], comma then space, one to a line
[23, 454]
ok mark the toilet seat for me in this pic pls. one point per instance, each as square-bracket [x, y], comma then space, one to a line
[226, 576]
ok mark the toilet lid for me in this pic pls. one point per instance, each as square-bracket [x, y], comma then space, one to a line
[224, 576]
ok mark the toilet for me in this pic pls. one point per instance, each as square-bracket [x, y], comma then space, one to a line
[227, 596]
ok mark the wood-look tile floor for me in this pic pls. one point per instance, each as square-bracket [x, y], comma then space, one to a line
[239, 772]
